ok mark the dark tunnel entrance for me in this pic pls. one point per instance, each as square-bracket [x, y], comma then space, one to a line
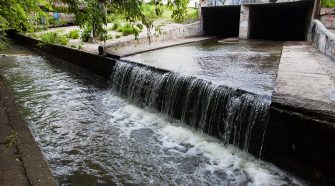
[221, 21]
[280, 21]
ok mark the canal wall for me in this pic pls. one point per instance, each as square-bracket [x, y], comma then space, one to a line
[322, 39]
[97, 64]
[301, 130]
[327, 17]
[21, 160]
[171, 32]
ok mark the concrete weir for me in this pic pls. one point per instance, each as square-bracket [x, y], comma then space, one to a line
[300, 134]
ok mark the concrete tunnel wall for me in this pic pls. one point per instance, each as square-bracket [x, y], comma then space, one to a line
[269, 21]
[280, 21]
[221, 21]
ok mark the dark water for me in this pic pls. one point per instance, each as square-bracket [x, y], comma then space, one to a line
[250, 66]
[92, 137]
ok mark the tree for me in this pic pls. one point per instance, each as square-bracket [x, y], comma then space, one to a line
[14, 15]
[94, 17]
[90, 14]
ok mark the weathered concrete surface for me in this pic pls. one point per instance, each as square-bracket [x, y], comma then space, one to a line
[327, 17]
[244, 22]
[128, 50]
[300, 136]
[21, 163]
[305, 79]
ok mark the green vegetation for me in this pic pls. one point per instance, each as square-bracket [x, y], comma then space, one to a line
[86, 35]
[14, 14]
[132, 11]
[11, 139]
[54, 38]
[129, 29]
[328, 3]
[24, 16]
[3, 43]
[74, 34]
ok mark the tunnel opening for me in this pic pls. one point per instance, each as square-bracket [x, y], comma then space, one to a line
[280, 21]
[221, 21]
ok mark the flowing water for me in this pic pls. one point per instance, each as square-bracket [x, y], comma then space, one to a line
[91, 136]
[247, 65]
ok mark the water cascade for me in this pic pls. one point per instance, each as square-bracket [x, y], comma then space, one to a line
[234, 116]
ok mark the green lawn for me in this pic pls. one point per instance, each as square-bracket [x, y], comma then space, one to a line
[328, 3]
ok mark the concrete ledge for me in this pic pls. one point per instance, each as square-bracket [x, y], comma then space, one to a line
[300, 136]
[322, 39]
[22, 163]
[145, 47]
[97, 64]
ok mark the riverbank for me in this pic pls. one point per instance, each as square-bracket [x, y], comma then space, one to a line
[21, 160]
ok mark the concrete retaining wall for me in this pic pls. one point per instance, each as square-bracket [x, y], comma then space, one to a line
[301, 142]
[173, 32]
[327, 17]
[96, 64]
[322, 39]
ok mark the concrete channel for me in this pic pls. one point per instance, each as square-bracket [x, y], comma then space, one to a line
[300, 133]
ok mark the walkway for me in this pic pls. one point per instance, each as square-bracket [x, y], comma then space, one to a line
[21, 161]
[306, 79]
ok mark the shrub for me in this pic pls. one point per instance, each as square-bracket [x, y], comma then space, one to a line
[3, 43]
[109, 36]
[128, 29]
[116, 25]
[328, 3]
[74, 34]
[54, 38]
[86, 35]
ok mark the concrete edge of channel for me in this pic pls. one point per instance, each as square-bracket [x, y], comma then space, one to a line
[35, 166]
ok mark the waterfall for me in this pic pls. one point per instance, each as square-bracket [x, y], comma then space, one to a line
[231, 115]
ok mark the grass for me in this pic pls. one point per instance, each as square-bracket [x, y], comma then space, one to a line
[328, 3]
[150, 11]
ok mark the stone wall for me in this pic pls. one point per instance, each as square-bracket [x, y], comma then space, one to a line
[322, 39]
[170, 32]
[327, 17]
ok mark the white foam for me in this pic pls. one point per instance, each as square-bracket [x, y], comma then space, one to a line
[225, 158]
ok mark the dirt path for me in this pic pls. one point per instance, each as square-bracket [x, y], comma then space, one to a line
[21, 161]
